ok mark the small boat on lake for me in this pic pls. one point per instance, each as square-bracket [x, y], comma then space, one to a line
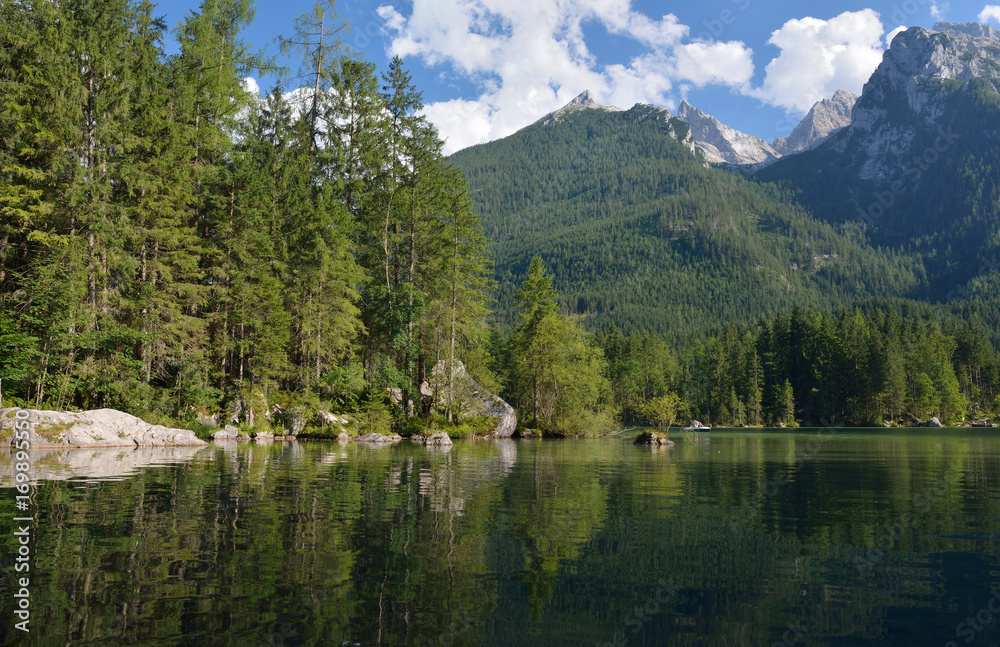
[697, 426]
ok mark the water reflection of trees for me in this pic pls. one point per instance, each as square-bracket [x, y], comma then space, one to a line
[520, 543]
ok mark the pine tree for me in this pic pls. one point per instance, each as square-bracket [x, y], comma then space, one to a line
[463, 309]
[154, 185]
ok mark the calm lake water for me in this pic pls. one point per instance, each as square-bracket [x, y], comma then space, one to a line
[733, 538]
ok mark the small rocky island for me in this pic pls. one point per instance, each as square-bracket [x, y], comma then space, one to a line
[652, 438]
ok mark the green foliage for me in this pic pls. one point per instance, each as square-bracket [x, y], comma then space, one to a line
[559, 373]
[373, 416]
[166, 237]
[662, 411]
[879, 362]
[344, 384]
[464, 428]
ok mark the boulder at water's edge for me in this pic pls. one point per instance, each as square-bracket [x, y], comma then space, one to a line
[97, 428]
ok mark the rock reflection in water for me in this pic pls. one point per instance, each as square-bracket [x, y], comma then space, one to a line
[99, 463]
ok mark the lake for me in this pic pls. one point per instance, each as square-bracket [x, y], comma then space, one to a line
[731, 538]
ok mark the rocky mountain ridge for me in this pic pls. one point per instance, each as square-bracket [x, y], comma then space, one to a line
[918, 73]
[722, 144]
[583, 101]
[907, 97]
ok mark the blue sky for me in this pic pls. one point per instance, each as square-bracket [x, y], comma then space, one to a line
[489, 67]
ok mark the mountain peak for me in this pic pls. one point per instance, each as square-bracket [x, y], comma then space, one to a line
[583, 101]
[843, 96]
[909, 93]
[585, 98]
[825, 118]
[720, 143]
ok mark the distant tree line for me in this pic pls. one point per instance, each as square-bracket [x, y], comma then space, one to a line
[876, 363]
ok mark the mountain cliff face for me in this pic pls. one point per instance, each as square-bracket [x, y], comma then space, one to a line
[825, 119]
[930, 100]
[918, 168]
[722, 144]
[913, 93]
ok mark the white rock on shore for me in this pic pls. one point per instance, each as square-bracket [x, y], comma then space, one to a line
[97, 428]
[471, 399]
[440, 438]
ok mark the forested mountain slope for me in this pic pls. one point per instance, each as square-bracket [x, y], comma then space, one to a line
[640, 234]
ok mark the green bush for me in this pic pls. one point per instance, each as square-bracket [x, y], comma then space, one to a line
[373, 417]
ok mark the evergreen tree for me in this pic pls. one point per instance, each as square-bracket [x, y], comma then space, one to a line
[786, 405]
[560, 371]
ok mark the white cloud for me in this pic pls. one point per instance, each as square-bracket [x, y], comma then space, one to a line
[461, 123]
[250, 85]
[529, 57]
[711, 63]
[990, 13]
[819, 57]
[938, 11]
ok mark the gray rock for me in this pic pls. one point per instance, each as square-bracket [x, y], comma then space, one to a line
[327, 419]
[241, 410]
[934, 422]
[379, 438]
[228, 432]
[263, 435]
[97, 428]
[294, 421]
[437, 438]
[206, 420]
[344, 437]
[461, 392]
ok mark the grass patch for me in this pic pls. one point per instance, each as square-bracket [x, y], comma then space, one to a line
[49, 432]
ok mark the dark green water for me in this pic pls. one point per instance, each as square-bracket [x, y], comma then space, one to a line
[775, 538]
